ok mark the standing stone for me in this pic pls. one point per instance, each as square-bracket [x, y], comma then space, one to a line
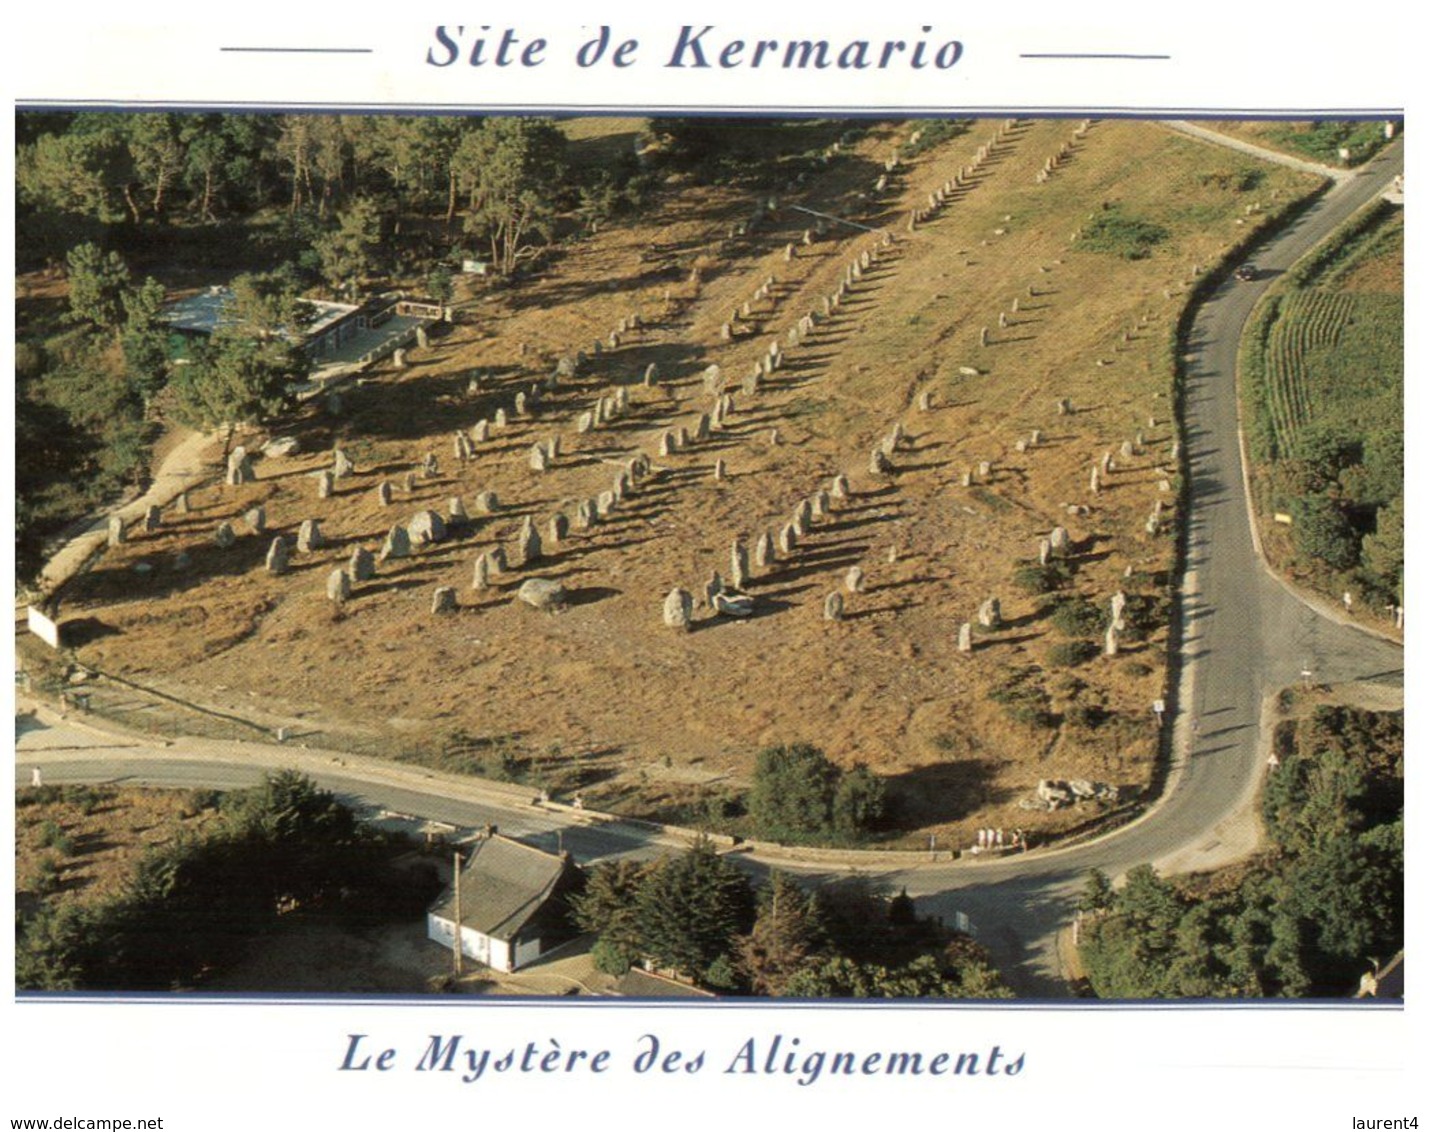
[553, 448]
[397, 544]
[1109, 642]
[820, 505]
[702, 427]
[714, 585]
[585, 422]
[585, 515]
[181, 506]
[985, 469]
[1127, 450]
[409, 482]
[481, 572]
[499, 419]
[240, 470]
[879, 464]
[559, 528]
[342, 466]
[651, 374]
[839, 487]
[854, 580]
[456, 510]
[310, 535]
[926, 400]
[605, 504]
[538, 460]
[444, 600]
[276, 561]
[1064, 407]
[528, 541]
[340, 586]
[965, 637]
[682, 438]
[834, 607]
[1119, 605]
[422, 336]
[787, 540]
[739, 565]
[666, 446]
[426, 527]
[518, 405]
[990, 614]
[678, 609]
[257, 519]
[1059, 542]
[1094, 484]
[487, 503]
[481, 431]
[1045, 551]
[360, 564]
[325, 484]
[719, 470]
[764, 551]
[153, 518]
[224, 536]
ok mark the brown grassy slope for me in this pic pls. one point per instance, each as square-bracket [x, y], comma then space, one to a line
[886, 686]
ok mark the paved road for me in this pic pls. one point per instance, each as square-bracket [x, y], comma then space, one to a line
[1246, 636]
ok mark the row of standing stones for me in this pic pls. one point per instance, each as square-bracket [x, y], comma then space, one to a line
[428, 527]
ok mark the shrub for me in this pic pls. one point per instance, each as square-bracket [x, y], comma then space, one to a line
[1088, 717]
[1069, 654]
[53, 836]
[1025, 701]
[1076, 616]
[1113, 232]
[45, 879]
[1034, 579]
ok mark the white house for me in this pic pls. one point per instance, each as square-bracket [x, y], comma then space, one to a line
[514, 903]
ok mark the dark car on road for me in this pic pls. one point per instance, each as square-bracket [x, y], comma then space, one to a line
[1246, 273]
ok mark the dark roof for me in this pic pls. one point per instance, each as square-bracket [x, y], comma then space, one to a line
[505, 884]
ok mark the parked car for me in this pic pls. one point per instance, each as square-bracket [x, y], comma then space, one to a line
[1246, 273]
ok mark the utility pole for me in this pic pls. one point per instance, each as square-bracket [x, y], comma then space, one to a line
[457, 914]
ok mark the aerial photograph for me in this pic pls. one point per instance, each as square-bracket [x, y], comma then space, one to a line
[706, 557]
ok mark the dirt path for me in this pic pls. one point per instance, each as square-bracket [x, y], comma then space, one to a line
[1261, 152]
[185, 466]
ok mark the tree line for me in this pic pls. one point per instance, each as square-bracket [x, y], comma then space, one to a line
[700, 917]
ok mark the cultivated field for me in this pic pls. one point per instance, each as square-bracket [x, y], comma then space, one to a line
[1078, 277]
[1324, 380]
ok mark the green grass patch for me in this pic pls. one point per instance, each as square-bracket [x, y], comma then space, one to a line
[1115, 232]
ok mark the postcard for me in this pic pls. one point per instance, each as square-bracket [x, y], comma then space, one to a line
[714, 568]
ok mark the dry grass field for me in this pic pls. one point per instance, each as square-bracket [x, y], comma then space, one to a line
[642, 718]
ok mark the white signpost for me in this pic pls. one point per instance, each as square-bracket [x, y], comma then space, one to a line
[47, 630]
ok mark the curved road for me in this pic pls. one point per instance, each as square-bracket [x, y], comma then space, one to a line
[1245, 636]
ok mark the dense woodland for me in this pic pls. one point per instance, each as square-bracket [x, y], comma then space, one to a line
[1306, 919]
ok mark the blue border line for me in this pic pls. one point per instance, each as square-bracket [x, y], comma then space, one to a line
[645, 110]
[526, 1002]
